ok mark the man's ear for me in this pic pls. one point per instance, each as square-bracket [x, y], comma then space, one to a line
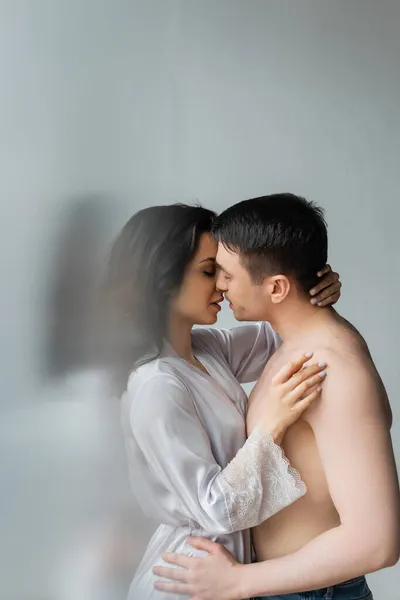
[277, 287]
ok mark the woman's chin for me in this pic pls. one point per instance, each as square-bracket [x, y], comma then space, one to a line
[208, 319]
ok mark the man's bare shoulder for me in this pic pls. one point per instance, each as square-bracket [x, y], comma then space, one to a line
[345, 350]
[353, 383]
[343, 342]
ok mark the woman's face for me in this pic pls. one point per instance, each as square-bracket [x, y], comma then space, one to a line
[198, 300]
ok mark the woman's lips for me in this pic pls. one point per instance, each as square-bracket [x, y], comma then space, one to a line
[216, 305]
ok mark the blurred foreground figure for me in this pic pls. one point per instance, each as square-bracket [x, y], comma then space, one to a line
[74, 321]
[69, 527]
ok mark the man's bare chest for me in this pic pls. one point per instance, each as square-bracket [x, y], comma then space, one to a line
[259, 393]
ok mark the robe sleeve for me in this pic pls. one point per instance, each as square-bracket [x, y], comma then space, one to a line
[246, 348]
[255, 485]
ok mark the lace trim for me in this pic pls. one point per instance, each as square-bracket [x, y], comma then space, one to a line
[259, 481]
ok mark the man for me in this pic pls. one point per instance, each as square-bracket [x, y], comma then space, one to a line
[348, 522]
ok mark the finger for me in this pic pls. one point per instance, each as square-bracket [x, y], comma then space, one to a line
[172, 588]
[203, 544]
[302, 405]
[299, 392]
[171, 573]
[328, 291]
[325, 282]
[182, 560]
[325, 293]
[288, 370]
[304, 374]
[327, 269]
[313, 389]
[330, 300]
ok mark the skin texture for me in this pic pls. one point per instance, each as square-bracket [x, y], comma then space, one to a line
[347, 431]
[194, 301]
[198, 302]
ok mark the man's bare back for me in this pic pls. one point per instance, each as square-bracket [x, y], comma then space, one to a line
[333, 340]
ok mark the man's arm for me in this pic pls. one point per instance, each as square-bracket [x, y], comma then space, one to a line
[352, 433]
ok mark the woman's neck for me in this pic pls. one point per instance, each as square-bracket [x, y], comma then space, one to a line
[180, 337]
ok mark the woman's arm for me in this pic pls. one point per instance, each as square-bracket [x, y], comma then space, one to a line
[363, 484]
[256, 484]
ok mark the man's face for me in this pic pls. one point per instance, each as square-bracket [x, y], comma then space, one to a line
[247, 299]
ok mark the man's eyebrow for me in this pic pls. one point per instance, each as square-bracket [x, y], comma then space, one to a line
[210, 258]
[222, 268]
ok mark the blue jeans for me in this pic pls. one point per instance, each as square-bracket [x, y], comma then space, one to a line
[354, 589]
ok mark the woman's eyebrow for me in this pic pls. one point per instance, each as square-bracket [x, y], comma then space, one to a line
[210, 258]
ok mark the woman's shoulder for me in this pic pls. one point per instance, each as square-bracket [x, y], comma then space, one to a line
[154, 391]
[207, 337]
[156, 373]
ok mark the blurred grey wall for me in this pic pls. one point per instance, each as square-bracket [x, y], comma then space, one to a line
[156, 101]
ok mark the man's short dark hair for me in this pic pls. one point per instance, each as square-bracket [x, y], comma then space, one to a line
[276, 234]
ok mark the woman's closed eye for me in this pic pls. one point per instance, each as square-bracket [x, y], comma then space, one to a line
[210, 273]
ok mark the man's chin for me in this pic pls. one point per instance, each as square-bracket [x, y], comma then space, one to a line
[239, 316]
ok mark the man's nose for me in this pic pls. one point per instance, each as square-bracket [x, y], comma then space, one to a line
[221, 283]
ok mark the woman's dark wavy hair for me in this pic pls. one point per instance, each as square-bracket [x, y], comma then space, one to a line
[146, 268]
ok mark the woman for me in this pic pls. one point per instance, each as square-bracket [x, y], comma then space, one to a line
[183, 413]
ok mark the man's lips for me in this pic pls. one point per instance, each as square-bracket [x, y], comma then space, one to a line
[230, 303]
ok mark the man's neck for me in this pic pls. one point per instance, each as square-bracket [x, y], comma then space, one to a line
[297, 317]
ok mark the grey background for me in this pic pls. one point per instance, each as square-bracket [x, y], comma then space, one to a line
[176, 100]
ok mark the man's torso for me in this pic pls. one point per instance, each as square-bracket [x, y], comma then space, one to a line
[315, 513]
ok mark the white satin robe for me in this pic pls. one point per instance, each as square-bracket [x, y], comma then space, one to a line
[190, 465]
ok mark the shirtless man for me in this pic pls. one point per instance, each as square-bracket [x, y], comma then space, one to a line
[348, 522]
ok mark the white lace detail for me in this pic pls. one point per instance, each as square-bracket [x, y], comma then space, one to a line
[259, 481]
